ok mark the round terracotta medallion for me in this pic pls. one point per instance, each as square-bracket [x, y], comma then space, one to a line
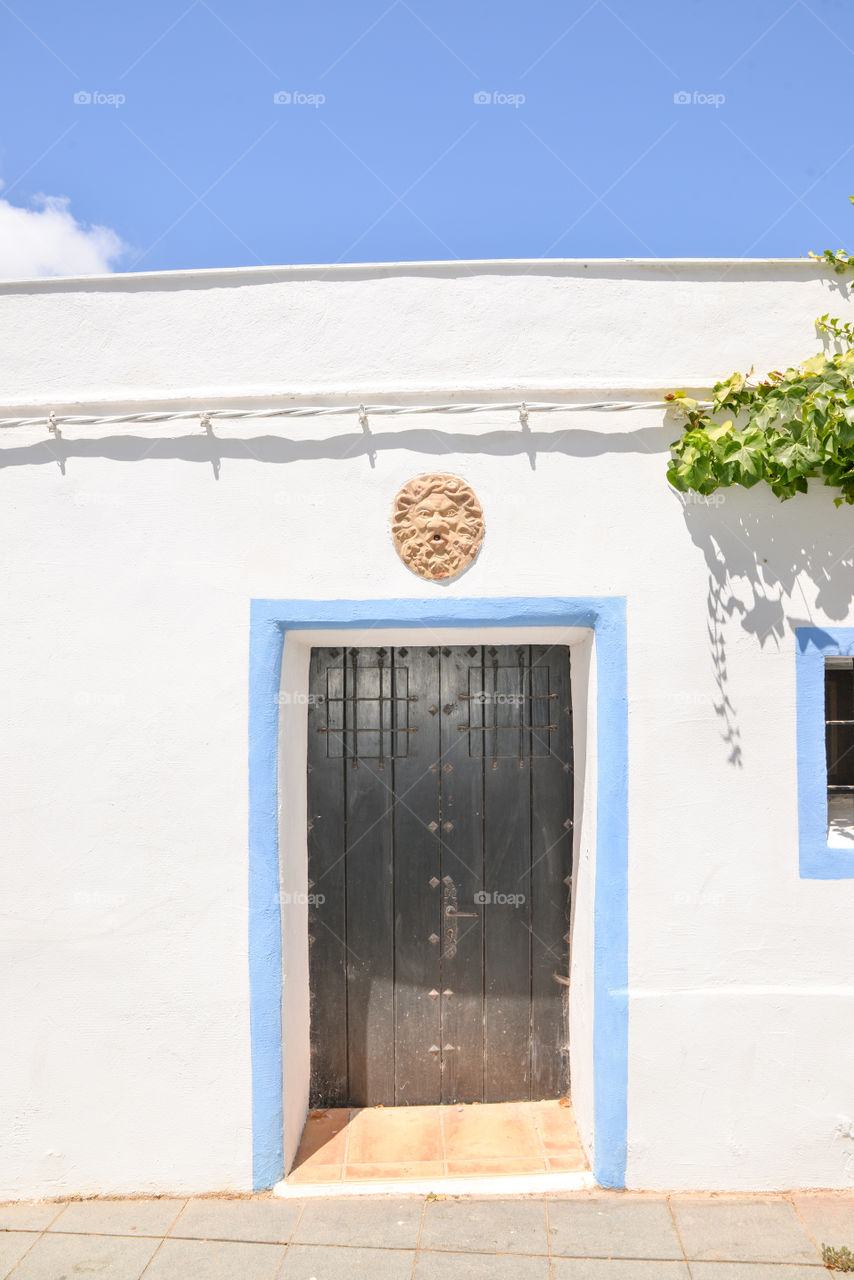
[437, 525]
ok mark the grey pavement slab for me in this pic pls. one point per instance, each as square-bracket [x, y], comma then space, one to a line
[55, 1257]
[829, 1219]
[479, 1266]
[28, 1217]
[254, 1221]
[118, 1217]
[618, 1269]
[330, 1262]
[484, 1226]
[757, 1271]
[215, 1260]
[743, 1231]
[384, 1224]
[613, 1228]
[13, 1246]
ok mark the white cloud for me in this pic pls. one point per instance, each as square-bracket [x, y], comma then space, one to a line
[47, 240]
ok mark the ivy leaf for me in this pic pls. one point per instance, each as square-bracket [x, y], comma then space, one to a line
[717, 432]
[748, 459]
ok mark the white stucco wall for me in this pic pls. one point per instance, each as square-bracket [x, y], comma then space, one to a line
[129, 560]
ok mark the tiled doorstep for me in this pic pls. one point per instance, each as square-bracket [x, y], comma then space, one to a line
[510, 1184]
[486, 1145]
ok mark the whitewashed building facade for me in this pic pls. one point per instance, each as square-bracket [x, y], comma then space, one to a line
[164, 582]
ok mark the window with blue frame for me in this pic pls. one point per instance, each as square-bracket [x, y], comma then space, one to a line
[839, 746]
[824, 662]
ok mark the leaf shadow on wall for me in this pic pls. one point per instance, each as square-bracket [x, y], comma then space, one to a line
[760, 553]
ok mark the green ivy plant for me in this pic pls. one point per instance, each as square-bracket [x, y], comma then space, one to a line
[785, 430]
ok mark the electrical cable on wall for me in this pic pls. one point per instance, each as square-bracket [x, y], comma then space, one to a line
[55, 422]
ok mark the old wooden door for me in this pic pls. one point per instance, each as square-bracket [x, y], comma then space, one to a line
[440, 838]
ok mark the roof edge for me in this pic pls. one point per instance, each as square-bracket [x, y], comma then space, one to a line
[452, 267]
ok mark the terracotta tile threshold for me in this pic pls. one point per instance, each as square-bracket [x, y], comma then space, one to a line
[410, 1144]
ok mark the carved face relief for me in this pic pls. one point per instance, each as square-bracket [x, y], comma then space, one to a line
[437, 525]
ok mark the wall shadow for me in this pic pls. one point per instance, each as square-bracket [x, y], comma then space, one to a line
[758, 552]
[280, 450]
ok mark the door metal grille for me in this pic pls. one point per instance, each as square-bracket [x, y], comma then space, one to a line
[367, 710]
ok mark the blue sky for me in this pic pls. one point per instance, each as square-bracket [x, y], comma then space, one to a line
[384, 153]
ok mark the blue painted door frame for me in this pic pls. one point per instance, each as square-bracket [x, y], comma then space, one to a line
[270, 621]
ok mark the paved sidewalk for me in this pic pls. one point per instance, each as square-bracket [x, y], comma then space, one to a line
[592, 1236]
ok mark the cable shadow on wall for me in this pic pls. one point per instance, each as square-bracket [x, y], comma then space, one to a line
[213, 449]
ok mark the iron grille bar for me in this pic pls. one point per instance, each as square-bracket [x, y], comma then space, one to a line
[503, 728]
[397, 697]
[521, 697]
[363, 729]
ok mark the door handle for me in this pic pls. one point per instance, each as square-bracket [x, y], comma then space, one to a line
[449, 905]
